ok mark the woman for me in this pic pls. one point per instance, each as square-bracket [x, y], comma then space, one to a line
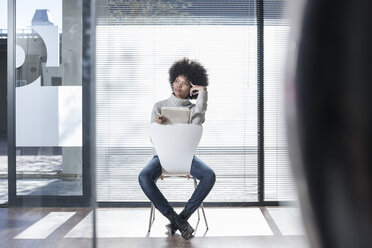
[188, 80]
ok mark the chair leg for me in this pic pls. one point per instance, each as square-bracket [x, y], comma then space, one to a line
[195, 185]
[152, 216]
[197, 223]
[202, 207]
[152, 212]
[205, 218]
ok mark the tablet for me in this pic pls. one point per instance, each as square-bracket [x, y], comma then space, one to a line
[176, 114]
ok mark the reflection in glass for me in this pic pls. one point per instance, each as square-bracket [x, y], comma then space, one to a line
[49, 97]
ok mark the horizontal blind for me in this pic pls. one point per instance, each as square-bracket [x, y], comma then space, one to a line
[176, 12]
[133, 58]
[278, 174]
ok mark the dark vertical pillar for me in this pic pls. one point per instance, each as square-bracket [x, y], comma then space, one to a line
[12, 183]
[89, 104]
[260, 114]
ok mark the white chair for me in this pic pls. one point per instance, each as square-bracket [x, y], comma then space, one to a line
[175, 145]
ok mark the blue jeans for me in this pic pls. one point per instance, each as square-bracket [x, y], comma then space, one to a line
[199, 170]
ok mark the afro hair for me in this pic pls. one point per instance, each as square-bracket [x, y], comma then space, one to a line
[192, 70]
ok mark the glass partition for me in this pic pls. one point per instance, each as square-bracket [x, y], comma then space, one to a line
[48, 98]
[279, 183]
[137, 42]
[50, 192]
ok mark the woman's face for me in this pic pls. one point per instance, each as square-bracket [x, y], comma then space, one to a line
[181, 87]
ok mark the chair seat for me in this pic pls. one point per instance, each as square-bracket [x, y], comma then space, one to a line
[165, 175]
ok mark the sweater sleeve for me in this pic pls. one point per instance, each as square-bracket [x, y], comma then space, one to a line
[155, 111]
[198, 113]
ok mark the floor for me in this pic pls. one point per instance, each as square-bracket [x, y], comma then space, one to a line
[127, 227]
[38, 170]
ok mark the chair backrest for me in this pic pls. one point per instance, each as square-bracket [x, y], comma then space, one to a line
[176, 145]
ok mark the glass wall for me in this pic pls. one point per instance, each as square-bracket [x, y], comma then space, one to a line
[137, 42]
[49, 183]
[279, 184]
[49, 97]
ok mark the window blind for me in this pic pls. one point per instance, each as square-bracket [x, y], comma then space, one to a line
[137, 42]
[277, 171]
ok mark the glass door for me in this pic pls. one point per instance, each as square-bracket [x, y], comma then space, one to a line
[49, 161]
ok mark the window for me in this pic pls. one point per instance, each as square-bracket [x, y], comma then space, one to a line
[136, 45]
[278, 175]
[137, 42]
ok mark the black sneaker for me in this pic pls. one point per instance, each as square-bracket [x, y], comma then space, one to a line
[181, 224]
[187, 232]
[171, 228]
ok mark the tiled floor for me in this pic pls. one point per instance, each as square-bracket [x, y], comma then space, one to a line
[228, 227]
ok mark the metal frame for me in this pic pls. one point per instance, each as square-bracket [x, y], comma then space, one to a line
[260, 99]
[147, 204]
[3, 42]
[152, 211]
[52, 201]
[11, 102]
[89, 78]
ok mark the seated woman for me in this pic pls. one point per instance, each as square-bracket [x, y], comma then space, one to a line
[188, 80]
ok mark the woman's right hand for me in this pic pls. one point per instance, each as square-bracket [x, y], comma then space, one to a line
[160, 119]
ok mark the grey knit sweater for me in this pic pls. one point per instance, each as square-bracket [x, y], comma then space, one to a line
[197, 111]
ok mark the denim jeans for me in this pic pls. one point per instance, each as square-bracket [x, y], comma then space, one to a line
[199, 170]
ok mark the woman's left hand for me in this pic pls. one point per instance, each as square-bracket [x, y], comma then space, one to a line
[195, 89]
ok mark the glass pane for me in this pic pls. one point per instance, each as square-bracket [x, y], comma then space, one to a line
[48, 128]
[136, 45]
[49, 97]
[279, 184]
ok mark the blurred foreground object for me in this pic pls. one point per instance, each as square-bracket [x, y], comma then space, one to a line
[329, 98]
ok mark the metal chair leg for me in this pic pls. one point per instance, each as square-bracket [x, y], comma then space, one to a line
[195, 185]
[197, 223]
[152, 216]
[202, 207]
[152, 212]
[205, 218]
